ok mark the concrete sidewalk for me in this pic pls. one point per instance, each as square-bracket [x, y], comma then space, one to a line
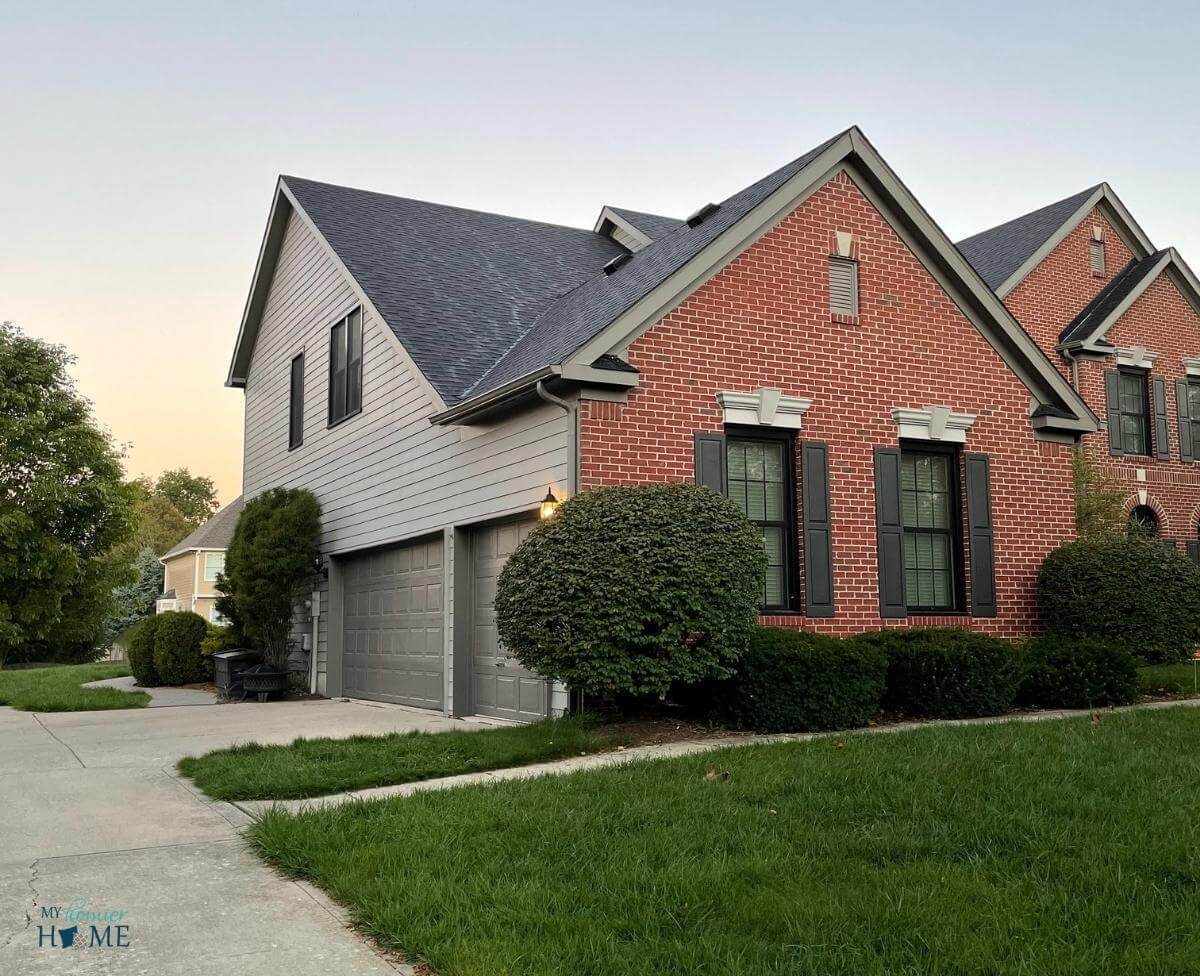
[94, 814]
[159, 697]
[254, 808]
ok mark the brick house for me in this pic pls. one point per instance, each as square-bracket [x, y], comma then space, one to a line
[813, 346]
[1121, 320]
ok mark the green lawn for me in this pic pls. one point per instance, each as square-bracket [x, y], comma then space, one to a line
[57, 689]
[313, 767]
[1048, 848]
[1171, 679]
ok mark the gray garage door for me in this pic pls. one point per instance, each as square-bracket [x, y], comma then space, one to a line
[499, 685]
[392, 647]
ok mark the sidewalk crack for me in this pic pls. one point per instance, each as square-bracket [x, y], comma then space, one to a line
[58, 740]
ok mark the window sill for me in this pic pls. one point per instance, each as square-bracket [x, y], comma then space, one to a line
[342, 420]
[843, 319]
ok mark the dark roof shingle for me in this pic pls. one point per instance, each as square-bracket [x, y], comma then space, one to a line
[1110, 296]
[457, 287]
[216, 533]
[998, 253]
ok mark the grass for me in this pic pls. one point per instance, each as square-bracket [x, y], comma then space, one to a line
[314, 767]
[57, 689]
[1170, 679]
[1050, 848]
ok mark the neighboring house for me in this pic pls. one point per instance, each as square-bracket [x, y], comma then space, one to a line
[191, 567]
[814, 346]
[1121, 319]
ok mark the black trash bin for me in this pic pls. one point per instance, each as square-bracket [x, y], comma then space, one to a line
[227, 671]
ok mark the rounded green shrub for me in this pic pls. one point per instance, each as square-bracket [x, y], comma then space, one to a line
[947, 673]
[790, 681]
[139, 649]
[177, 656]
[1135, 592]
[1063, 672]
[626, 590]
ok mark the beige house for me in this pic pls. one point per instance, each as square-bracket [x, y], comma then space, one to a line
[191, 567]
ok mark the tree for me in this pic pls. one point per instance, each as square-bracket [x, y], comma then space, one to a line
[135, 599]
[193, 496]
[628, 590]
[1099, 502]
[270, 566]
[160, 525]
[63, 504]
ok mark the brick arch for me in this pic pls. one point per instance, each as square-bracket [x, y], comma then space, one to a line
[1152, 503]
[1193, 522]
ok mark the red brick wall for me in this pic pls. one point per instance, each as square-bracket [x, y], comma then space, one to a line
[764, 321]
[1059, 288]
[1163, 322]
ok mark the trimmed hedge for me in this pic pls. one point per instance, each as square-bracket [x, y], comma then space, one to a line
[790, 681]
[947, 673]
[139, 649]
[177, 656]
[1079, 673]
[218, 638]
[1135, 592]
[627, 590]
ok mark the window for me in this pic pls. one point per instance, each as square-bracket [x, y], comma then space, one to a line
[1193, 403]
[296, 404]
[215, 617]
[843, 286]
[214, 564]
[929, 512]
[1096, 256]
[1143, 523]
[345, 368]
[760, 485]
[1135, 429]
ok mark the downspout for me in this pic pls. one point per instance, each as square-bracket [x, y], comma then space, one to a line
[1070, 358]
[566, 407]
[316, 630]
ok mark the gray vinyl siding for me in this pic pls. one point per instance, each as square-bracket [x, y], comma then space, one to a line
[385, 475]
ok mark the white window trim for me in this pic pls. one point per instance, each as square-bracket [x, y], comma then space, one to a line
[1191, 367]
[1136, 357]
[765, 407]
[204, 558]
[939, 424]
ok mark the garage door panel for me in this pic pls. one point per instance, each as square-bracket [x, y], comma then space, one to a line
[499, 685]
[393, 636]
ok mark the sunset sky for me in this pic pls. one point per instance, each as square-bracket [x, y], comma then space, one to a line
[141, 142]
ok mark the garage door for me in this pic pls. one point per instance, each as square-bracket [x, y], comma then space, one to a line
[499, 685]
[392, 646]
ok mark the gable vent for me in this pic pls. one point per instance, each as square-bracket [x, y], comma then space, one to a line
[1096, 256]
[843, 286]
[701, 215]
[614, 265]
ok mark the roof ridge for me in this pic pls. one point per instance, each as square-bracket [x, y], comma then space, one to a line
[440, 206]
[1081, 195]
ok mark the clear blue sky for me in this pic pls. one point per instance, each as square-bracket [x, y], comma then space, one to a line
[141, 141]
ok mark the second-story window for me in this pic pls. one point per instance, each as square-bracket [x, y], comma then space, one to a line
[1135, 427]
[345, 368]
[214, 566]
[296, 404]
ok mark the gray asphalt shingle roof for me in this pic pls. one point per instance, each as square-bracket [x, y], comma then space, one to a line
[216, 533]
[584, 312]
[1109, 297]
[458, 287]
[652, 225]
[999, 252]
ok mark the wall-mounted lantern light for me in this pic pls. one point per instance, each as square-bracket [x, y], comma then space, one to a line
[549, 504]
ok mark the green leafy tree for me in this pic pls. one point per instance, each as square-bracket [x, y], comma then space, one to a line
[1099, 502]
[63, 504]
[193, 496]
[160, 525]
[270, 566]
[134, 599]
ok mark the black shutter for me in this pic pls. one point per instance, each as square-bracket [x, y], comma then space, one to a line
[889, 533]
[1162, 446]
[979, 536]
[710, 462]
[1112, 392]
[818, 532]
[1186, 448]
[1193, 550]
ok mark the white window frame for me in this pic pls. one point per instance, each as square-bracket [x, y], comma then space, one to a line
[207, 556]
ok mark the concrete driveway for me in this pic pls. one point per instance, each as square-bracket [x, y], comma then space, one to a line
[94, 820]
